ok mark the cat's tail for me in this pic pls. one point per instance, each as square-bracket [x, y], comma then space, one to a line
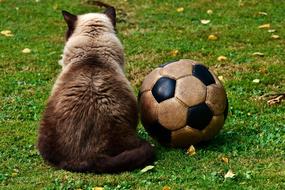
[125, 161]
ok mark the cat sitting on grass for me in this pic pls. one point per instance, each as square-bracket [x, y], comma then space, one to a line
[89, 124]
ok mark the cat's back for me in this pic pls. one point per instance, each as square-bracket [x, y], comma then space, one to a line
[93, 91]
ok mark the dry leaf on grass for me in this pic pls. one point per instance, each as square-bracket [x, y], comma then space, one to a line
[212, 37]
[276, 100]
[225, 159]
[229, 174]
[258, 54]
[209, 12]
[273, 98]
[264, 26]
[191, 151]
[98, 188]
[180, 9]
[203, 21]
[262, 13]
[274, 36]
[271, 30]
[174, 53]
[221, 78]
[166, 188]
[147, 168]
[16, 170]
[55, 6]
[7, 33]
[222, 58]
[26, 50]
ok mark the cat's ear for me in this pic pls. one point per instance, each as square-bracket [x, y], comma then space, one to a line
[70, 19]
[110, 11]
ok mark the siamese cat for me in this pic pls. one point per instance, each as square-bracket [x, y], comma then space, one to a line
[89, 123]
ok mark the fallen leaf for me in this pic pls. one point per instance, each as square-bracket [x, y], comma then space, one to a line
[274, 36]
[262, 13]
[276, 100]
[222, 58]
[256, 81]
[55, 6]
[212, 37]
[209, 12]
[258, 54]
[180, 9]
[98, 188]
[271, 95]
[221, 78]
[174, 53]
[271, 30]
[229, 174]
[147, 168]
[264, 26]
[14, 174]
[166, 188]
[205, 21]
[191, 150]
[225, 159]
[26, 50]
[7, 33]
[16, 170]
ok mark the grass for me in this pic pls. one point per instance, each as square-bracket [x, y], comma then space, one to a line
[253, 137]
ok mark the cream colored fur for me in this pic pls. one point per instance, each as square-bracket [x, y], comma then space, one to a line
[82, 43]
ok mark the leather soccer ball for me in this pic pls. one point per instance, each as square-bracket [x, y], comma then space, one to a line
[182, 103]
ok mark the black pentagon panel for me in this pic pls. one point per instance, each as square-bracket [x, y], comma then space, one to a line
[158, 132]
[167, 63]
[163, 89]
[199, 116]
[202, 73]
[226, 110]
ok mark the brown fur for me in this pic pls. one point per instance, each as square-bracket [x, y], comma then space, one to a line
[89, 124]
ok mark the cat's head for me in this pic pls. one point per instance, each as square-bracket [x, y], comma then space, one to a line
[91, 23]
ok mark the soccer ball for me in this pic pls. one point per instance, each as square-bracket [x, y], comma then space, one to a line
[182, 103]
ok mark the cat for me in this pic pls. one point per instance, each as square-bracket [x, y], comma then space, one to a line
[89, 123]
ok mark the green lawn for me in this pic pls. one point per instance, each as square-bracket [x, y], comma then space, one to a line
[253, 138]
